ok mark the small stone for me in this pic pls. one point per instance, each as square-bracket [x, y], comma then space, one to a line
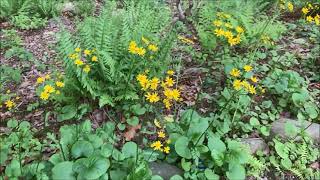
[256, 144]
[165, 170]
[312, 129]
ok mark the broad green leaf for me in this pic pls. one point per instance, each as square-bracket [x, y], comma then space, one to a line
[12, 123]
[63, 170]
[67, 112]
[138, 110]
[176, 177]
[186, 166]
[211, 175]
[265, 131]
[281, 149]
[97, 168]
[236, 172]
[214, 143]
[286, 163]
[254, 121]
[106, 150]
[117, 155]
[181, 147]
[95, 140]
[290, 129]
[156, 177]
[133, 121]
[311, 110]
[129, 149]
[82, 149]
[13, 169]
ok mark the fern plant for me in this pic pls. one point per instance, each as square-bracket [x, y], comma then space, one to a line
[112, 77]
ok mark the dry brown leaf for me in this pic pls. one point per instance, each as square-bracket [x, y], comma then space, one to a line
[132, 130]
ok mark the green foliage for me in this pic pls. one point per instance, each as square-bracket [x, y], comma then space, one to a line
[110, 34]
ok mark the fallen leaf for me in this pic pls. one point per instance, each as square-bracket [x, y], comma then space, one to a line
[132, 130]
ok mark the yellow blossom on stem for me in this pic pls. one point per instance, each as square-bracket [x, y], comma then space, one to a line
[176, 94]
[309, 19]
[290, 6]
[141, 51]
[169, 81]
[78, 62]
[47, 76]
[252, 89]
[167, 103]
[44, 95]
[219, 32]
[57, 92]
[235, 72]
[228, 34]
[152, 97]
[239, 29]
[157, 146]
[247, 68]
[9, 104]
[161, 134]
[145, 40]
[154, 83]
[86, 68]
[77, 49]
[87, 52]
[40, 80]
[153, 48]
[132, 47]
[254, 79]
[170, 72]
[59, 84]
[305, 10]
[237, 84]
[228, 25]
[166, 149]
[217, 23]
[94, 59]
[48, 89]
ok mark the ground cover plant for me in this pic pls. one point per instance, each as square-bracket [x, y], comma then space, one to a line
[159, 89]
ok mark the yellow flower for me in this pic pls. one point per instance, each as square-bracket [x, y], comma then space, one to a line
[167, 103]
[228, 25]
[141, 51]
[217, 23]
[157, 145]
[132, 47]
[290, 6]
[235, 72]
[309, 19]
[8, 91]
[47, 76]
[254, 79]
[94, 59]
[228, 34]
[40, 80]
[234, 41]
[161, 134]
[157, 123]
[9, 104]
[18, 97]
[153, 48]
[305, 10]
[78, 62]
[145, 40]
[143, 81]
[87, 52]
[170, 72]
[239, 29]
[176, 94]
[77, 49]
[48, 89]
[166, 149]
[152, 97]
[57, 92]
[237, 84]
[252, 89]
[154, 83]
[86, 68]
[169, 81]
[247, 68]
[44, 95]
[219, 32]
[59, 84]
[317, 19]
[246, 85]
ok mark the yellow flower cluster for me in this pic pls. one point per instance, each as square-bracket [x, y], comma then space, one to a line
[152, 88]
[161, 144]
[310, 15]
[286, 5]
[50, 89]
[10, 104]
[248, 86]
[141, 51]
[80, 58]
[224, 28]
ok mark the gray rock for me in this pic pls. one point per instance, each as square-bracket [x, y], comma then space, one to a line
[165, 170]
[256, 144]
[312, 129]
[68, 7]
